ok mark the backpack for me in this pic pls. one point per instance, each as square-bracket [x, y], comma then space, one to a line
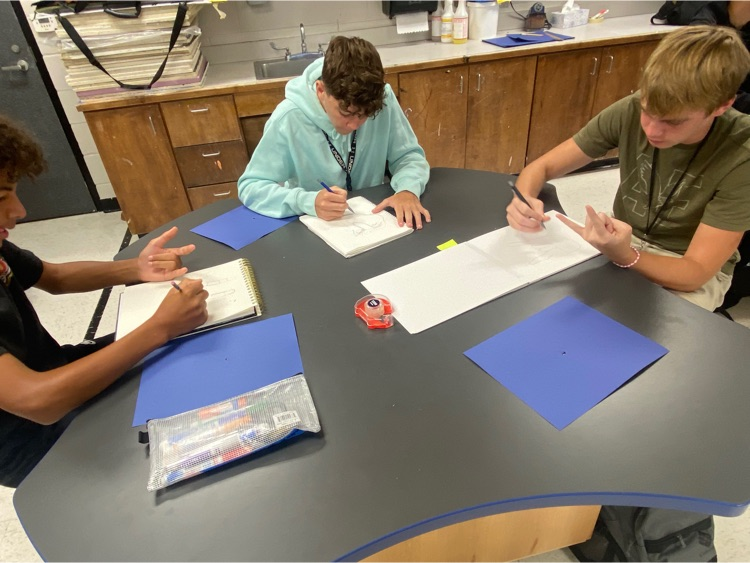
[628, 533]
[678, 13]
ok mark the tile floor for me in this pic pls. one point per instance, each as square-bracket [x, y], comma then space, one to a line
[98, 237]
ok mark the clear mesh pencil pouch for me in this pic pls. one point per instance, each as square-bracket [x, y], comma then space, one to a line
[196, 441]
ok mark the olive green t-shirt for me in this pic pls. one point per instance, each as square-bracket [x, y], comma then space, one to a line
[715, 188]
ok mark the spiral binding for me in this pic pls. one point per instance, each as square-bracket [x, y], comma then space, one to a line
[252, 285]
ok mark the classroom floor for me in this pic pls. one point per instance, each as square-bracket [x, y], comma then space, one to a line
[98, 236]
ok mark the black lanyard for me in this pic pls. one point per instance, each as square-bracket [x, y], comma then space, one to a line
[654, 163]
[346, 167]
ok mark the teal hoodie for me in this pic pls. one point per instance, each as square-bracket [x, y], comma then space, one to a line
[282, 176]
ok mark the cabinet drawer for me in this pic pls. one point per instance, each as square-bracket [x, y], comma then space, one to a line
[258, 102]
[208, 194]
[201, 120]
[211, 164]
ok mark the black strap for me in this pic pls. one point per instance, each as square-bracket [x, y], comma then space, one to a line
[654, 163]
[76, 38]
[346, 167]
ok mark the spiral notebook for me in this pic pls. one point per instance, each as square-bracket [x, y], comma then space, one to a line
[232, 295]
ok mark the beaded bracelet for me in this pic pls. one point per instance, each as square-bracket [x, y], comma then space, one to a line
[633, 263]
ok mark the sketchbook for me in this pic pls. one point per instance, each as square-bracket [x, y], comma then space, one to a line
[439, 287]
[232, 295]
[358, 232]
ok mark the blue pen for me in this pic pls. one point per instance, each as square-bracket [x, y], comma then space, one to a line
[322, 183]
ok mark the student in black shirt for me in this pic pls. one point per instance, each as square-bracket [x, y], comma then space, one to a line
[42, 382]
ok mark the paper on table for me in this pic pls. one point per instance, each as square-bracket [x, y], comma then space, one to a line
[213, 366]
[232, 295]
[432, 290]
[239, 227]
[565, 359]
[357, 232]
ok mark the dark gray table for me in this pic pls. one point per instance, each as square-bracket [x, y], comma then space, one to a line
[415, 436]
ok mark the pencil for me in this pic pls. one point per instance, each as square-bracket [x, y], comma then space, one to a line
[322, 183]
[519, 195]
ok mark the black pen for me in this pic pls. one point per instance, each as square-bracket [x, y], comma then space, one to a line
[176, 286]
[519, 195]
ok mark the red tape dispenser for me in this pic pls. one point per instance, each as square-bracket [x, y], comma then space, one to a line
[375, 310]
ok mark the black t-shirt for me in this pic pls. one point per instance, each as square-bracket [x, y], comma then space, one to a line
[23, 442]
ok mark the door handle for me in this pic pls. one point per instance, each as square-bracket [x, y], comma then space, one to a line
[596, 66]
[21, 65]
[611, 63]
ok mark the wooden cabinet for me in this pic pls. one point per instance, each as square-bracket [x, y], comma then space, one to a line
[499, 108]
[620, 72]
[592, 79]
[138, 158]
[201, 121]
[434, 101]
[169, 153]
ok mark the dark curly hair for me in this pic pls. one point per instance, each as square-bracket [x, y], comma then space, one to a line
[20, 154]
[354, 75]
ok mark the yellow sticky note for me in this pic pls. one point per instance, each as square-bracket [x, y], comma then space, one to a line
[447, 244]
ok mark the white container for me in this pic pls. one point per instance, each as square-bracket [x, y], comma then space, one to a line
[483, 18]
[569, 19]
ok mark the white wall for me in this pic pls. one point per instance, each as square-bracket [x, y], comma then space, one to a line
[246, 32]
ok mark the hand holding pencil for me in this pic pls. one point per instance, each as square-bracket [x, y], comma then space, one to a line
[525, 214]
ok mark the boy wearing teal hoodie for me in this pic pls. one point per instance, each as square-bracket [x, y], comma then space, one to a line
[341, 124]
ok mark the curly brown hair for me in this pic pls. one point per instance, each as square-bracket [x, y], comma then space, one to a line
[20, 154]
[354, 75]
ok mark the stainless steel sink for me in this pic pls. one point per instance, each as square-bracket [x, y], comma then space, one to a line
[279, 68]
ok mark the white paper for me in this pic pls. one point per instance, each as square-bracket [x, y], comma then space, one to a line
[412, 23]
[357, 232]
[439, 287]
[231, 295]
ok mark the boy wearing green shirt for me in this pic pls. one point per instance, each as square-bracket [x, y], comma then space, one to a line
[683, 202]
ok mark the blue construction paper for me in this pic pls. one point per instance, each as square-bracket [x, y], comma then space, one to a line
[565, 359]
[518, 40]
[199, 370]
[239, 227]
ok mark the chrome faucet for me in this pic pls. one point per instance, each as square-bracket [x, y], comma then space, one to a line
[302, 36]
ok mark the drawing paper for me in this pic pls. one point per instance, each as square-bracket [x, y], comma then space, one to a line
[232, 295]
[565, 359]
[357, 232]
[439, 287]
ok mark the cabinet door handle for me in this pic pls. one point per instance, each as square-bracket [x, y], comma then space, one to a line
[153, 129]
[596, 66]
[479, 82]
[217, 153]
[201, 110]
[407, 112]
[611, 63]
[222, 194]
[461, 85]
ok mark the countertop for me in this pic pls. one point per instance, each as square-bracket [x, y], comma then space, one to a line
[221, 78]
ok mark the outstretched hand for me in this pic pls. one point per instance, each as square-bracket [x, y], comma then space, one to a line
[158, 263]
[608, 235]
[407, 208]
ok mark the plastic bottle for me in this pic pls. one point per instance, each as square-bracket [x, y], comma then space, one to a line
[446, 27]
[461, 23]
[436, 23]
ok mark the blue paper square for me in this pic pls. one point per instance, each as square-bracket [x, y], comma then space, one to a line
[239, 227]
[212, 366]
[565, 359]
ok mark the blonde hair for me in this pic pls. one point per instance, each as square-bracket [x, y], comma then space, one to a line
[694, 68]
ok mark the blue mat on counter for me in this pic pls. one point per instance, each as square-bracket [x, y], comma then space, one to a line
[521, 39]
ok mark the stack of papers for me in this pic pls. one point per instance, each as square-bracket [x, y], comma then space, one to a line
[357, 232]
[132, 50]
